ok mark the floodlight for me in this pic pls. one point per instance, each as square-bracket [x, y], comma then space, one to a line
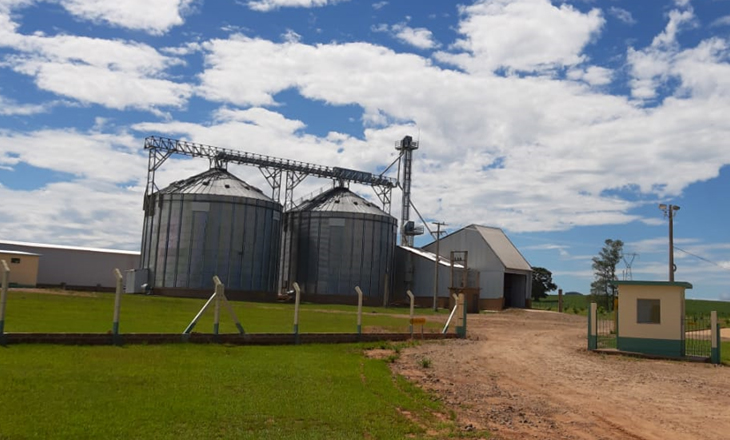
[663, 207]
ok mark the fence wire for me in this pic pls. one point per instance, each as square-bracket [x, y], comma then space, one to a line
[697, 336]
[606, 330]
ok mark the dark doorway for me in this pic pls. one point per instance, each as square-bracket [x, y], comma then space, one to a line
[515, 288]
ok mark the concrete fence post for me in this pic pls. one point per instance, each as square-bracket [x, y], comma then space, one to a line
[593, 327]
[410, 318]
[217, 306]
[715, 329]
[117, 306]
[3, 299]
[359, 310]
[461, 317]
[297, 298]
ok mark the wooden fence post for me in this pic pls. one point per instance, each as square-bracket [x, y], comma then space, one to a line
[560, 300]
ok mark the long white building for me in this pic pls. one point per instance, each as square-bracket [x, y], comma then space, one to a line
[76, 267]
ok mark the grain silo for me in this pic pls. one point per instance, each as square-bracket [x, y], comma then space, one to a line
[337, 241]
[211, 224]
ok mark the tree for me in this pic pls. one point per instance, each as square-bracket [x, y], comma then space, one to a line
[542, 283]
[604, 271]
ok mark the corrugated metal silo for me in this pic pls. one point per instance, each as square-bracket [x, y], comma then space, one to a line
[337, 241]
[212, 224]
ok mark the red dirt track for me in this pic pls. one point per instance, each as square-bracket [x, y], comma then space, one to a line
[527, 375]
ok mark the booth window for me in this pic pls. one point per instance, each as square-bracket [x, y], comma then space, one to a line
[15, 261]
[648, 311]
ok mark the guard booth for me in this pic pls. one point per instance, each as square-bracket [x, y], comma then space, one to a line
[651, 317]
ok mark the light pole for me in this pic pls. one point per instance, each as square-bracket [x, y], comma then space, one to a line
[436, 266]
[670, 211]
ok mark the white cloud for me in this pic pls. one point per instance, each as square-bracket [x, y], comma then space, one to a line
[99, 204]
[526, 35]
[703, 71]
[722, 21]
[420, 38]
[84, 155]
[270, 5]
[154, 17]
[9, 107]
[379, 5]
[593, 75]
[622, 14]
[290, 36]
[474, 122]
[114, 73]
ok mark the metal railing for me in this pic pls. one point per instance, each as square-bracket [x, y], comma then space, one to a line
[697, 336]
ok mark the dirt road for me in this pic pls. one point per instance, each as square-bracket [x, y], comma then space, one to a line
[527, 375]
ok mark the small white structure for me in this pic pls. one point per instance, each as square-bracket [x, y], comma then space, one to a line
[76, 267]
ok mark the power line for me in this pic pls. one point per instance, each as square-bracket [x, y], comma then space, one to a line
[701, 258]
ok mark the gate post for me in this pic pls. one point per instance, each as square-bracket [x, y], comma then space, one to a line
[3, 299]
[715, 330]
[461, 317]
[592, 327]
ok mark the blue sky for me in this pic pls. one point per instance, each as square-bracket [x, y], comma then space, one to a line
[563, 122]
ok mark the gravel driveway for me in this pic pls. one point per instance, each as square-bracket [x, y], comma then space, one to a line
[526, 374]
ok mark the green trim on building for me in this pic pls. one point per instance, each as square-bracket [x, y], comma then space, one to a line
[661, 347]
[684, 284]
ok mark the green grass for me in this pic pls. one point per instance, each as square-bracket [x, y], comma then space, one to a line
[725, 352]
[693, 307]
[184, 391]
[92, 312]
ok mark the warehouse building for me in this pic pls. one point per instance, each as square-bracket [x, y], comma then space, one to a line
[498, 274]
[72, 267]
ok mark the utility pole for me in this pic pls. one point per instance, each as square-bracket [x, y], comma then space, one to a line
[670, 211]
[436, 266]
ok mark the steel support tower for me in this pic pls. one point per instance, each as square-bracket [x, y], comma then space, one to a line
[272, 168]
[408, 230]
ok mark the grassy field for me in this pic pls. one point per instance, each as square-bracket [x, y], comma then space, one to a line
[196, 391]
[693, 307]
[92, 312]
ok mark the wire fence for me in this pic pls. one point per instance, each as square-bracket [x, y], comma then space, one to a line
[697, 336]
[606, 330]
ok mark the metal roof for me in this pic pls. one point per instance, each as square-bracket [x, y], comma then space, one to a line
[217, 182]
[503, 248]
[340, 199]
[73, 248]
[29, 254]
[431, 256]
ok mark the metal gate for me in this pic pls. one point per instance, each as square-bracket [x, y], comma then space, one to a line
[606, 326]
[697, 336]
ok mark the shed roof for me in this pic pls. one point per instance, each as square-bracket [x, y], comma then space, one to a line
[503, 247]
[431, 256]
[28, 254]
[73, 248]
[217, 182]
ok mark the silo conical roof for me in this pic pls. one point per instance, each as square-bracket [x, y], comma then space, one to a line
[340, 199]
[218, 182]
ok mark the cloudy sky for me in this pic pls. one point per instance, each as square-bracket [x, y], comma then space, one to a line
[563, 122]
